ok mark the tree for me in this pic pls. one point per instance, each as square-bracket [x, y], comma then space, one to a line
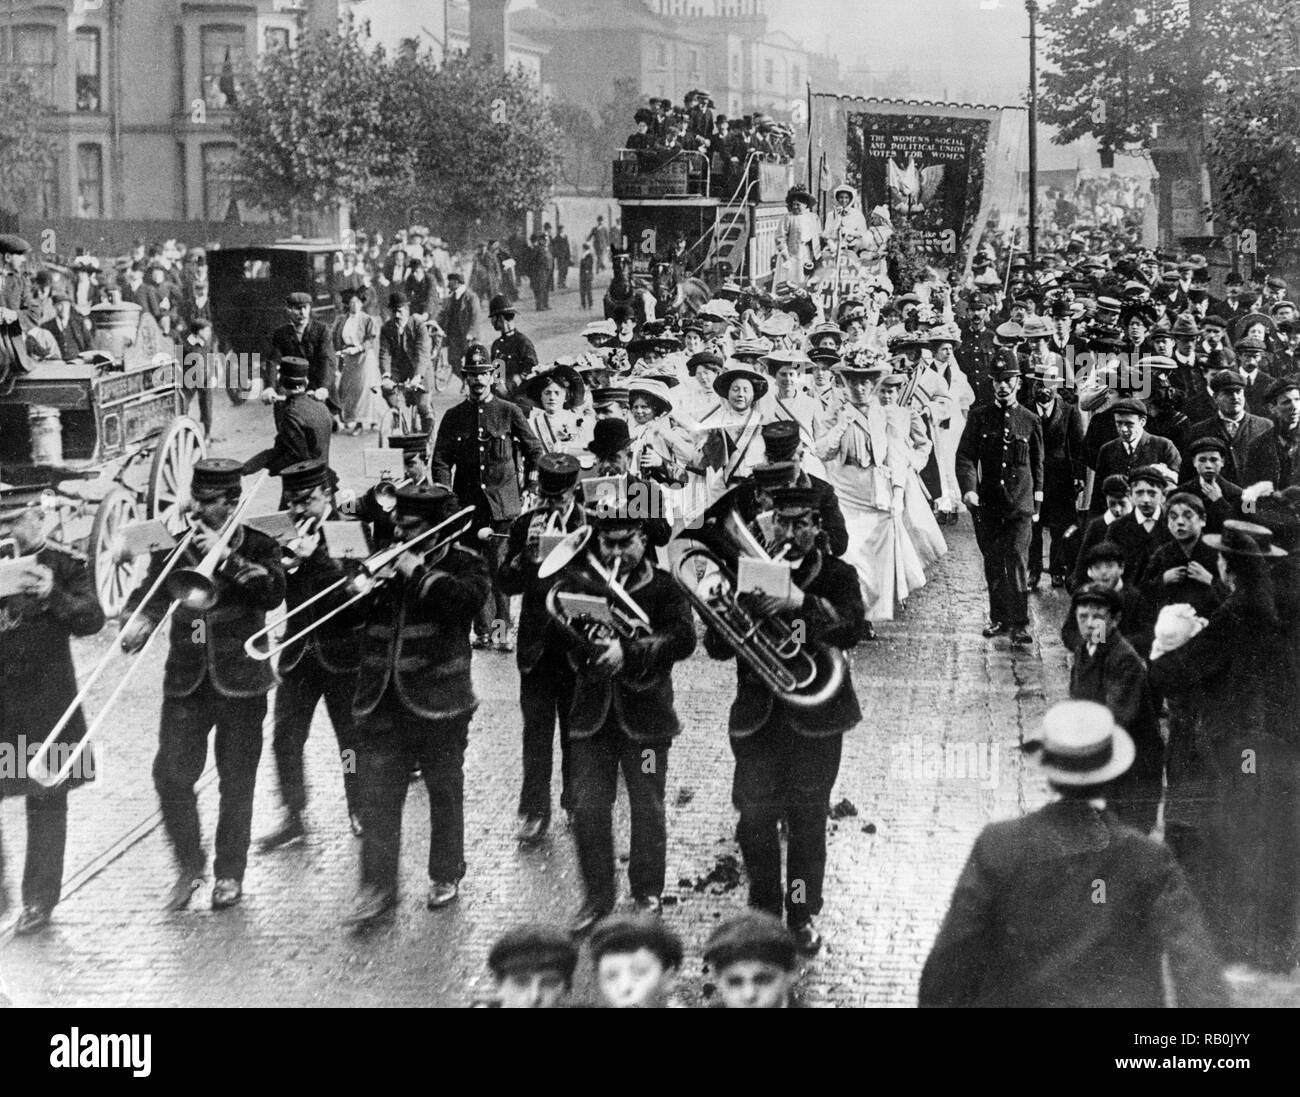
[313, 132]
[26, 147]
[483, 143]
[583, 163]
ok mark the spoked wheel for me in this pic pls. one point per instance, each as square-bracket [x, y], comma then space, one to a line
[116, 576]
[173, 466]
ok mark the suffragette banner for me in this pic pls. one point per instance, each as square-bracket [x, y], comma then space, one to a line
[929, 166]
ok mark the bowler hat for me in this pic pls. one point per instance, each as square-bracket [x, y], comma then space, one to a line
[609, 436]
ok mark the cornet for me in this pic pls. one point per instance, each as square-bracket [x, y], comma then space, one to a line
[293, 555]
[377, 567]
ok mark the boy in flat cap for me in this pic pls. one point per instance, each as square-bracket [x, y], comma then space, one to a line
[1133, 447]
[637, 959]
[754, 960]
[1185, 569]
[533, 968]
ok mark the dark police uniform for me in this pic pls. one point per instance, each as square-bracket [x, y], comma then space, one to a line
[546, 678]
[476, 454]
[516, 350]
[37, 683]
[627, 721]
[787, 757]
[414, 701]
[1000, 456]
[211, 682]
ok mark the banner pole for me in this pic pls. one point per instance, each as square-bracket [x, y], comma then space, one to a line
[808, 85]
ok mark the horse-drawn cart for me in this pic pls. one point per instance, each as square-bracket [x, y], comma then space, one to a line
[107, 431]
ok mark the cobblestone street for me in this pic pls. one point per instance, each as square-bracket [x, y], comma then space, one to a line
[934, 759]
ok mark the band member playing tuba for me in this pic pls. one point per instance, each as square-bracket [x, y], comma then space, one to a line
[787, 757]
[321, 665]
[545, 675]
[622, 715]
[414, 700]
[55, 600]
[211, 682]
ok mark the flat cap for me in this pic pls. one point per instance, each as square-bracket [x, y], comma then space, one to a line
[533, 948]
[752, 935]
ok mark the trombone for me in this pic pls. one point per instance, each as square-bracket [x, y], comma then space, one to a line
[38, 769]
[374, 567]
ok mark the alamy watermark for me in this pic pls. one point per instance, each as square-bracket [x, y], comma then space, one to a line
[211, 370]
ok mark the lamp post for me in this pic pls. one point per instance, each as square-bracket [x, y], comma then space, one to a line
[1031, 6]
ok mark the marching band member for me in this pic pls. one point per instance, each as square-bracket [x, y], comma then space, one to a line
[376, 506]
[55, 600]
[414, 701]
[783, 446]
[545, 675]
[322, 665]
[787, 757]
[212, 684]
[867, 464]
[623, 718]
[611, 444]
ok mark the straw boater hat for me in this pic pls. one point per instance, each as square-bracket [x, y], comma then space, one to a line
[722, 383]
[1082, 745]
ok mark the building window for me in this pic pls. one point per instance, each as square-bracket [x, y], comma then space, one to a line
[87, 63]
[90, 181]
[29, 52]
[769, 72]
[661, 55]
[223, 61]
[217, 200]
[275, 38]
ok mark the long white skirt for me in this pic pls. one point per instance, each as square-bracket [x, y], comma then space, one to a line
[921, 523]
[880, 548]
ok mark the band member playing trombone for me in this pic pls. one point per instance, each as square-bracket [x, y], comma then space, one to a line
[322, 665]
[209, 680]
[622, 715]
[545, 675]
[788, 753]
[54, 599]
[414, 696]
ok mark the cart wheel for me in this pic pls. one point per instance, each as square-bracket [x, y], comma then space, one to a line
[115, 578]
[178, 449]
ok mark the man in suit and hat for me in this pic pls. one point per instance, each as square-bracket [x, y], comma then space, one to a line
[459, 319]
[212, 684]
[482, 448]
[1220, 497]
[302, 424]
[406, 358]
[1063, 473]
[512, 348]
[414, 701]
[1251, 353]
[323, 665]
[54, 599]
[622, 715]
[1233, 424]
[1275, 457]
[69, 328]
[1026, 928]
[545, 676]
[308, 339]
[1000, 470]
[788, 756]
[1133, 448]
[19, 309]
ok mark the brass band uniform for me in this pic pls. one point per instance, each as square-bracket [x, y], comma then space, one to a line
[210, 682]
[323, 665]
[55, 600]
[545, 675]
[414, 701]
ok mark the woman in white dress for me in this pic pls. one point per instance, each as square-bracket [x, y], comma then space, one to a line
[867, 464]
[909, 425]
[660, 451]
[952, 411]
[846, 226]
[798, 240]
[356, 344]
[555, 421]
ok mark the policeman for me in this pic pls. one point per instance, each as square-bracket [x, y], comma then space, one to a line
[54, 600]
[788, 756]
[414, 701]
[478, 453]
[210, 681]
[511, 347]
[324, 665]
[1000, 470]
[545, 675]
[623, 716]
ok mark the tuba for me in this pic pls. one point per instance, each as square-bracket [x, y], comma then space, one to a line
[801, 673]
